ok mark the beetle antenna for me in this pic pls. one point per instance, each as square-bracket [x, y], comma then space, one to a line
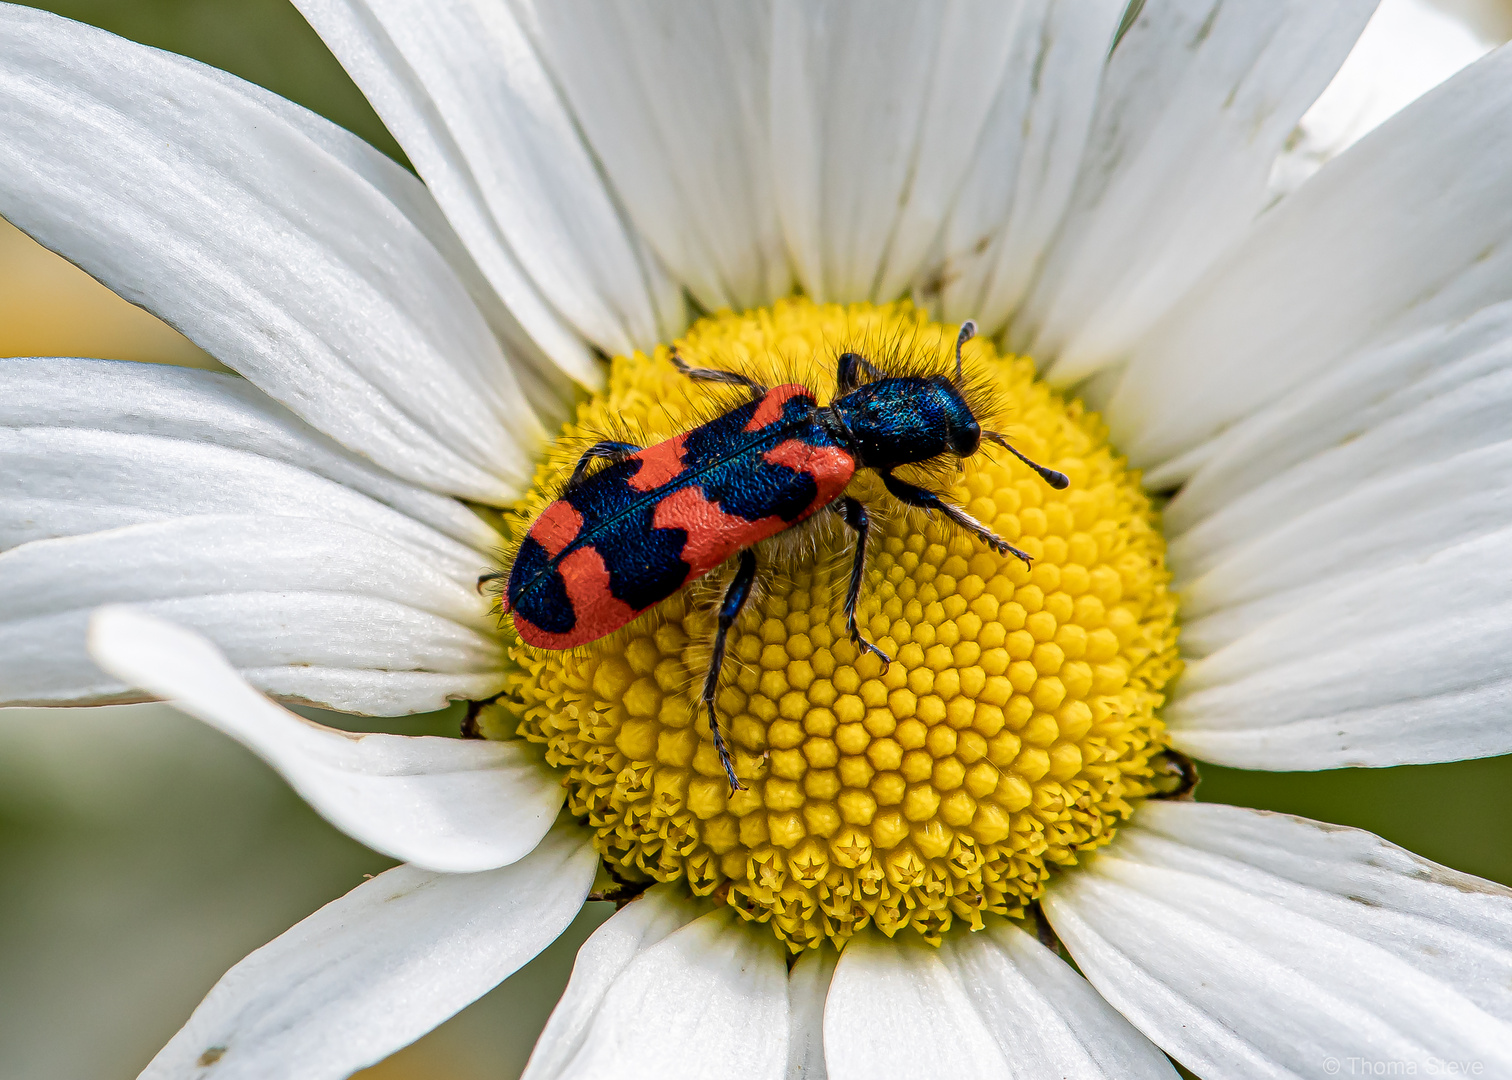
[1058, 480]
[968, 331]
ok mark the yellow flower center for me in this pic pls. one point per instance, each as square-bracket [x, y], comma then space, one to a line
[1013, 730]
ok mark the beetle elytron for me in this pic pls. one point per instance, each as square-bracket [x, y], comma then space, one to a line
[655, 518]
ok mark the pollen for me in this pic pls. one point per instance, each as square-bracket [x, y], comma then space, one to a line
[1012, 732]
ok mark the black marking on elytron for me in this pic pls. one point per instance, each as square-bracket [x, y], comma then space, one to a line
[882, 424]
[546, 602]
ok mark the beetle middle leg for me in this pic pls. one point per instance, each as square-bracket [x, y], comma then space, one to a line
[925, 499]
[735, 597]
[854, 515]
[704, 374]
[609, 449]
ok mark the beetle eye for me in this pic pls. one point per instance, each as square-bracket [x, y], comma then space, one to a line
[966, 438]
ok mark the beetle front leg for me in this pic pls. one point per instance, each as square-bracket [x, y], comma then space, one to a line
[849, 370]
[608, 449]
[735, 597]
[854, 515]
[925, 499]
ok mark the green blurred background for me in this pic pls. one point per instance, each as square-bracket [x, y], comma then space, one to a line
[142, 854]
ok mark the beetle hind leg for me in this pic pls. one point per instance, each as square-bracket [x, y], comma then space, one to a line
[735, 597]
[854, 514]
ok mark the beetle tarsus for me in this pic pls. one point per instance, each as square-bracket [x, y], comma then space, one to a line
[867, 647]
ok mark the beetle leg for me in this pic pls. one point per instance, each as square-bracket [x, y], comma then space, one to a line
[855, 516]
[849, 370]
[927, 500]
[614, 451]
[735, 597]
[703, 374]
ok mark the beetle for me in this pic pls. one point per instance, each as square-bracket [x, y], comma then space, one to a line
[619, 541]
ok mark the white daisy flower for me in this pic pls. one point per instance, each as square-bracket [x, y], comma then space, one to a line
[1318, 383]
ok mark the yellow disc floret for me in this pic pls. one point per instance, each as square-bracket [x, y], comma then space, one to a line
[1012, 731]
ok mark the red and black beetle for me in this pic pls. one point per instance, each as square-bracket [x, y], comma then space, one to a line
[655, 518]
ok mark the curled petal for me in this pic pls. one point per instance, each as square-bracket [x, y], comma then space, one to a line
[454, 805]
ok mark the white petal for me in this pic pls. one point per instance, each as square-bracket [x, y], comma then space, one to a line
[1195, 103]
[1407, 665]
[370, 691]
[1404, 231]
[991, 1004]
[1045, 1018]
[517, 310]
[894, 1009]
[288, 595]
[1371, 388]
[540, 377]
[355, 653]
[1023, 169]
[379, 967]
[1390, 523]
[455, 805]
[709, 999]
[675, 106]
[808, 986]
[181, 403]
[1394, 457]
[1252, 944]
[1408, 48]
[462, 89]
[62, 481]
[194, 194]
[630, 931]
[978, 48]
[546, 386]
[876, 110]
